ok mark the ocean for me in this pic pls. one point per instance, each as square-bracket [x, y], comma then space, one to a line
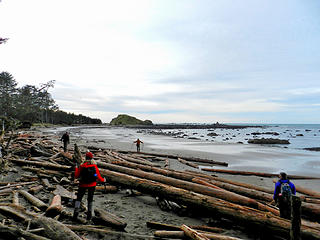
[230, 145]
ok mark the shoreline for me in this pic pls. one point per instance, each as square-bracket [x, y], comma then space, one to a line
[239, 156]
[137, 209]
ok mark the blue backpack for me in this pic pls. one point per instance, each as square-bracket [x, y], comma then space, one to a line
[285, 191]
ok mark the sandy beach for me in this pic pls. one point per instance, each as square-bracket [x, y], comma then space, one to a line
[137, 209]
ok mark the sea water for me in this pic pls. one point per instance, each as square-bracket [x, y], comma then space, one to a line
[229, 145]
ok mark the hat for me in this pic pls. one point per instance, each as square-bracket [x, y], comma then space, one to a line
[283, 175]
[89, 155]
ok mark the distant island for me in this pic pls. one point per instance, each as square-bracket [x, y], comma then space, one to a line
[125, 120]
[132, 122]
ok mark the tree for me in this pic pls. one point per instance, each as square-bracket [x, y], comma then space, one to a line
[26, 104]
[8, 93]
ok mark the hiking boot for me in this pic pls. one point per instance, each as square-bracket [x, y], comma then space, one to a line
[90, 208]
[75, 216]
[76, 210]
[89, 216]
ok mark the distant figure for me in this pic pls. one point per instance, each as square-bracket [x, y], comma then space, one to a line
[137, 142]
[88, 173]
[66, 140]
[283, 191]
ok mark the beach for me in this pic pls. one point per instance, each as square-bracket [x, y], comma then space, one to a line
[136, 208]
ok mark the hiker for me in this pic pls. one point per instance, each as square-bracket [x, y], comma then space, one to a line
[137, 142]
[88, 173]
[283, 191]
[66, 140]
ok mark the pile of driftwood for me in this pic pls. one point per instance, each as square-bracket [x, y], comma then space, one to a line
[245, 206]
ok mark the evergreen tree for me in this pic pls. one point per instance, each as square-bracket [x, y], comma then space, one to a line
[7, 94]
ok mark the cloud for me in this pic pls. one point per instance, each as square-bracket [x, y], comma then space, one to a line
[168, 60]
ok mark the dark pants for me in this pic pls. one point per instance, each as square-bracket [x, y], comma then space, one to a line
[82, 191]
[65, 146]
[285, 209]
[138, 147]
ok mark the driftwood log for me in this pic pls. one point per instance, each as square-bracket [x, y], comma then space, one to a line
[182, 235]
[55, 207]
[260, 174]
[165, 226]
[185, 158]
[16, 232]
[222, 194]
[109, 219]
[193, 234]
[54, 229]
[188, 163]
[110, 233]
[32, 199]
[42, 164]
[239, 214]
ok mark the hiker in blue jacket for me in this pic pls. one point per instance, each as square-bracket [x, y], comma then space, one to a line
[283, 191]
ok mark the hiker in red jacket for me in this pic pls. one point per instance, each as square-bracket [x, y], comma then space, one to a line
[88, 173]
[137, 142]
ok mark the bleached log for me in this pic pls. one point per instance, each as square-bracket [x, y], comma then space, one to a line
[64, 193]
[55, 207]
[188, 163]
[54, 229]
[45, 181]
[176, 157]
[34, 200]
[182, 235]
[239, 190]
[260, 174]
[15, 211]
[43, 171]
[193, 234]
[15, 198]
[42, 164]
[109, 219]
[36, 189]
[107, 189]
[222, 194]
[17, 232]
[165, 172]
[77, 156]
[110, 233]
[165, 226]
[122, 157]
[16, 184]
[239, 214]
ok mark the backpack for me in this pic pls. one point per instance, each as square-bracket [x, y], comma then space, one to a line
[88, 175]
[285, 191]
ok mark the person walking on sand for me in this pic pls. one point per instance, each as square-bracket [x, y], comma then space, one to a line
[66, 140]
[88, 173]
[283, 191]
[138, 142]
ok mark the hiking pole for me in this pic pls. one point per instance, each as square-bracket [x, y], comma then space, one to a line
[105, 187]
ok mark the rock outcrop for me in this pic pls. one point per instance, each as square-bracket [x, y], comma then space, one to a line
[124, 120]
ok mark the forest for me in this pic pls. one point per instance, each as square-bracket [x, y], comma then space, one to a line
[31, 104]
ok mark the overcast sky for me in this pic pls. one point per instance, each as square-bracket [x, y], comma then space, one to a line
[231, 61]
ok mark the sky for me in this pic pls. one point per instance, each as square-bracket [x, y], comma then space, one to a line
[169, 61]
